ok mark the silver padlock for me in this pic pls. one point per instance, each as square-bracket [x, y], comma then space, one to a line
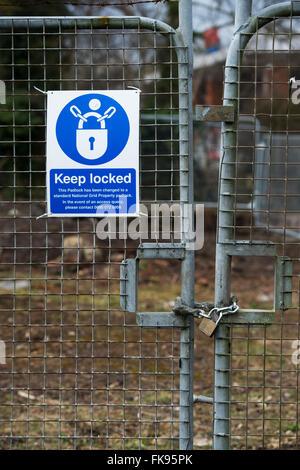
[91, 143]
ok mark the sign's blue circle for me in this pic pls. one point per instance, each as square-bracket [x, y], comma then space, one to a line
[72, 142]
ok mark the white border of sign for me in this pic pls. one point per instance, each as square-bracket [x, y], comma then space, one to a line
[128, 158]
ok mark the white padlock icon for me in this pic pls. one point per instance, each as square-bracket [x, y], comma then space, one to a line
[92, 143]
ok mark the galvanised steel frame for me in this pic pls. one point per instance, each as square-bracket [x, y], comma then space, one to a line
[181, 42]
[227, 243]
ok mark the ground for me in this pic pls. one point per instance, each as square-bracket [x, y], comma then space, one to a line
[96, 379]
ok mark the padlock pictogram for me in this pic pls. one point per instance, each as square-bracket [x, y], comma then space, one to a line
[91, 143]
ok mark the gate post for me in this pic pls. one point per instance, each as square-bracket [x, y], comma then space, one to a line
[225, 233]
[186, 197]
[243, 12]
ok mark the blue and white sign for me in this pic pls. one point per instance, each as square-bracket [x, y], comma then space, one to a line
[93, 153]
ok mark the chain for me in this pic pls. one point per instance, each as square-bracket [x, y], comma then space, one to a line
[77, 113]
[215, 313]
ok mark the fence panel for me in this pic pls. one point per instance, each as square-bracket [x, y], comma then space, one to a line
[79, 373]
[257, 380]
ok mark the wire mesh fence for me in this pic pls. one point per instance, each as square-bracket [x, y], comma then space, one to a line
[264, 207]
[79, 373]
[76, 371]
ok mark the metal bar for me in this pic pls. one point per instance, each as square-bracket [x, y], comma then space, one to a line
[244, 248]
[243, 11]
[161, 320]
[216, 113]
[283, 298]
[203, 399]
[129, 285]
[185, 59]
[222, 351]
[83, 22]
[225, 232]
[161, 251]
[245, 28]
[246, 317]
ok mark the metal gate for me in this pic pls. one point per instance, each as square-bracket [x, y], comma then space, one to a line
[77, 371]
[257, 351]
[83, 364]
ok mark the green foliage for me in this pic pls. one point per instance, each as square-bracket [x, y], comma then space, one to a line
[293, 427]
